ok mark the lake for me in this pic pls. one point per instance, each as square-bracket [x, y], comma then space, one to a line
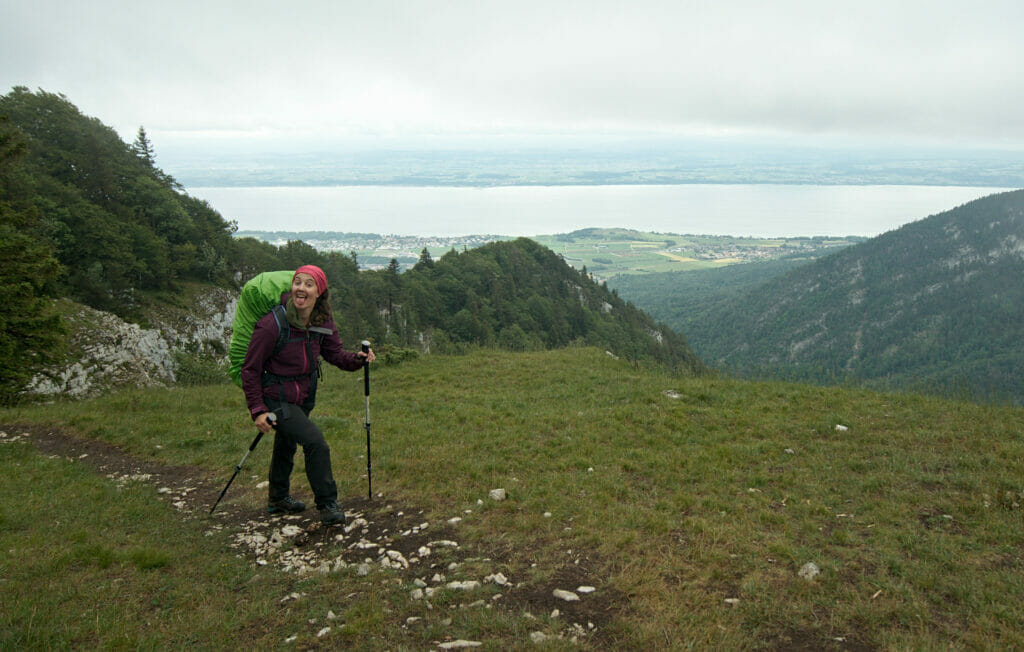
[762, 210]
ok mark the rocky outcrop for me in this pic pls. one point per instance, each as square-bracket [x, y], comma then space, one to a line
[107, 352]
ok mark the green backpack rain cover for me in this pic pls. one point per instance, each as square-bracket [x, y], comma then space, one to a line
[258, 297]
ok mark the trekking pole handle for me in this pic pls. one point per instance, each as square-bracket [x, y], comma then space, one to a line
[366, 367]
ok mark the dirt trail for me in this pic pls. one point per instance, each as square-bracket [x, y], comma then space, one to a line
[377, 535]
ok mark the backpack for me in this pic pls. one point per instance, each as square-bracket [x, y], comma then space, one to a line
[260, 294]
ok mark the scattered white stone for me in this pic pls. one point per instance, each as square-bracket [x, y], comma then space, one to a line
[395, 559]
[790, 451]
[420, 583]
[263, 485]
[331, 615]
[671, 393]
[732, 601]
[323, 632]
[547, 514]
[359, 522]
[498, 494]
[164, 490]
[497, 578]
[363, 569]
[568, 596]
[841, 428]
[459, 645]
[585, 589]
[423, 551]
[590, 469]
[416, 594]
[454, 520]
[444, 543]
[809, 571]
[555, 613]
[290, 530]
[467, 585]
[538, 637]
[292, 638]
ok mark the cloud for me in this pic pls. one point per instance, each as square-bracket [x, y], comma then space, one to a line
[940, 70]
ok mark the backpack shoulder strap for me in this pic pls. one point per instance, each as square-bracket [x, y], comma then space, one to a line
[283, 329]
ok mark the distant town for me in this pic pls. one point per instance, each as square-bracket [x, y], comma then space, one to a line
[603, 252]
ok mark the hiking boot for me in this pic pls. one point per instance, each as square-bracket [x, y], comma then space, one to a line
[332, 514]
[287, 505]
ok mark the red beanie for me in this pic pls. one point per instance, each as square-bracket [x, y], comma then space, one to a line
[317, 274]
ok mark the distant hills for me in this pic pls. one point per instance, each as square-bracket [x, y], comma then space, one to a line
[935, 305]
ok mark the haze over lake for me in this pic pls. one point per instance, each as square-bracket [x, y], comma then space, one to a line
[763, 210]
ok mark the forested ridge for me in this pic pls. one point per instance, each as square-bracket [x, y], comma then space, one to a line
[86, 216]
[937, 305]
[686, 299]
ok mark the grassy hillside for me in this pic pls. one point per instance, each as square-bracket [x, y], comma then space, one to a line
[690, 505]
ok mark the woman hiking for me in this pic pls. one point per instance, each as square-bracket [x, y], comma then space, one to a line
[281, 379]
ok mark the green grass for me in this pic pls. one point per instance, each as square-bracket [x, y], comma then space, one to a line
[674, 505]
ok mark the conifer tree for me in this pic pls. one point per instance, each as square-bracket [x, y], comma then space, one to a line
[143, 148]
[30, 331]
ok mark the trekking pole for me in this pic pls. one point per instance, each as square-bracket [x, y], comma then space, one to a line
[366, 387]
[271, 418]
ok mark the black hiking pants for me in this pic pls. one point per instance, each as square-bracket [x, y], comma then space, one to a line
[295, 429]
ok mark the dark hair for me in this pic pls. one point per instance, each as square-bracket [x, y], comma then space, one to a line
[321, 309]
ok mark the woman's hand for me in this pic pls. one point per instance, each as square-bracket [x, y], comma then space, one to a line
[265, 422]
[368, 355]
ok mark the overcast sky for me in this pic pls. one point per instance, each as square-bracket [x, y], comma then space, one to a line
[890, 70]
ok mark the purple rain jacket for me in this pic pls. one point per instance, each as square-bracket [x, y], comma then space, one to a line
[292, 360]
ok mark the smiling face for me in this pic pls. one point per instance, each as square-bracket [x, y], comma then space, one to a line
[304, 292]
